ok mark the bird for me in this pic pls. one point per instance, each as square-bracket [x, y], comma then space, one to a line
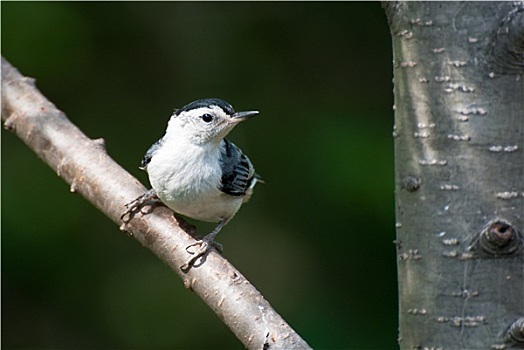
[195, 171]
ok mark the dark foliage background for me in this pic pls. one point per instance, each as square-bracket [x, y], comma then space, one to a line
[316, 239]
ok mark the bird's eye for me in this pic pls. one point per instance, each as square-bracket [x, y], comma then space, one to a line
[207, 117]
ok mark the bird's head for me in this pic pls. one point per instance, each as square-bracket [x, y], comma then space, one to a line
[205, 121]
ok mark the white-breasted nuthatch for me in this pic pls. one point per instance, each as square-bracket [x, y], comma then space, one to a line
[198, 173]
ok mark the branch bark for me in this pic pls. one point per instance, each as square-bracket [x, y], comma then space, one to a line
[86, 167]
[459, 168]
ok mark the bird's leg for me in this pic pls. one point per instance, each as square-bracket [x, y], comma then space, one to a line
[205, 244]
[133, 206]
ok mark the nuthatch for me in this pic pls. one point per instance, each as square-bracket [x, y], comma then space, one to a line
[198, 173]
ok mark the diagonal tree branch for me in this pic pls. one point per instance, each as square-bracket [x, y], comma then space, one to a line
[84, 164]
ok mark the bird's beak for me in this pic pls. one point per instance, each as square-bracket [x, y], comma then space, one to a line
[241, 116]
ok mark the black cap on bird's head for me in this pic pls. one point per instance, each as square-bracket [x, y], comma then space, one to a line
[207, 102]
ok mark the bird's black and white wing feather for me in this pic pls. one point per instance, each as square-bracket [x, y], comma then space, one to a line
[238, 174]
[150, 152]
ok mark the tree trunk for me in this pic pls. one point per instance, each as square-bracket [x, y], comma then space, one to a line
[459, 153]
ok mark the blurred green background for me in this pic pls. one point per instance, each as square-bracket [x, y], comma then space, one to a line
[316, 239]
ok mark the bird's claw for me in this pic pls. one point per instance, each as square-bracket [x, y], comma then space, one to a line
[135, 205]
[205, 246]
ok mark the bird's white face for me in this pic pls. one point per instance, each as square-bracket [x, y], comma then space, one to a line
[202, 125]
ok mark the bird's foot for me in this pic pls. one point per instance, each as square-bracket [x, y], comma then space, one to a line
[205, 244]
[134, 206]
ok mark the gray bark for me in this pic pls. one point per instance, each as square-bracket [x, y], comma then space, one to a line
[459, 155]
[86, 167]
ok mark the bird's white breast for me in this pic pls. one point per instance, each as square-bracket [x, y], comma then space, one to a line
[187, 178]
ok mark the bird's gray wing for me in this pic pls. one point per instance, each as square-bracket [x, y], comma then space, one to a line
[149, 153]
[238, 173]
